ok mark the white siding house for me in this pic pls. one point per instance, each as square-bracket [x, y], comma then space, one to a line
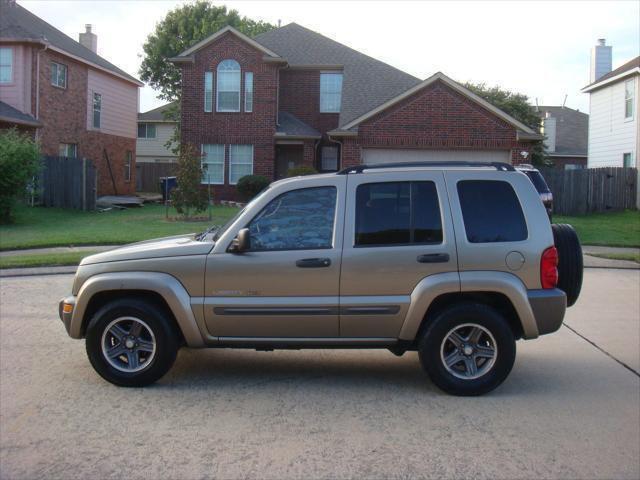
[614, 129]
[154, 131]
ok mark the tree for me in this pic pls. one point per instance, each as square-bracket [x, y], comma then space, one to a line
[182, 28]
[516, 105]
[19, 163]
[188, 197]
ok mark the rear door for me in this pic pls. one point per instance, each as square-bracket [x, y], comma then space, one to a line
[398, 230]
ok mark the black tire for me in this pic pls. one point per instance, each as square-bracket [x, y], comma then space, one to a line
[162, 327]
[432, 340]
[570, 263]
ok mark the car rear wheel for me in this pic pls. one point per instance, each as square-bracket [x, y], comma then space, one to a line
[570, 261]
[131, 343]
[468, 349]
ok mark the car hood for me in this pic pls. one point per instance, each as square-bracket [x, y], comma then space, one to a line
[178, 245]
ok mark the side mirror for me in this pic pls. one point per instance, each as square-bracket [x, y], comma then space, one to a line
[242, 242]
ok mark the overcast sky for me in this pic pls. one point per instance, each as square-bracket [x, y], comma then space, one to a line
[540, 48]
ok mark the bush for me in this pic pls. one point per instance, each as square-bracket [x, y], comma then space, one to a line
[301, 171]
[188, 196]
[251, 185]
[19, 163]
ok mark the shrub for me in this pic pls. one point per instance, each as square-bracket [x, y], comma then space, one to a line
[251, 185]
[19, 163]
[301, 171]
[188, 196]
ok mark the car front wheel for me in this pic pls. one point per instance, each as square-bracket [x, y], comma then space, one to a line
[131, 343]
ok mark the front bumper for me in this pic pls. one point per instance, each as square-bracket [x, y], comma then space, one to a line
[548, 307]
[65, 312]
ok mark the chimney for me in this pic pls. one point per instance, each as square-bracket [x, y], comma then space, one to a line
[549, 131]
[89, 39]
[600, 60]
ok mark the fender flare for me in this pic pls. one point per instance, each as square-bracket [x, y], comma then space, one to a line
[165, 285]
[433, 286]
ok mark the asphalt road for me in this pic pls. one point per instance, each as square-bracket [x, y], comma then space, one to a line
[570, 409]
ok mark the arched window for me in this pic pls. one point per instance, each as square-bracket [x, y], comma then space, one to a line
[228, 86]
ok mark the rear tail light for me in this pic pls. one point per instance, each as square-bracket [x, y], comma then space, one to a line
[549, 268]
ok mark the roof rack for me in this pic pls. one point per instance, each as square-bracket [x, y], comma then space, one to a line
[500, 166]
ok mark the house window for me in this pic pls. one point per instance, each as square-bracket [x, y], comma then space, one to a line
[127, 166]
[6, 65]
[58, 75]
[146, 130]
[97, 109]
[69, 150]
[629, 87]
[240, 162]
[213, 164]
[329, 159]
[248, 92]
[228, 86]
[627, 160]
[330, 92]
[208, 91]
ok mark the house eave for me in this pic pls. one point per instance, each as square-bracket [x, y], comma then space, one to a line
[284, 136]
[609, 81]
[342, 133]
[528, 137]
[182, 59]
[16, 121]
[315, 67]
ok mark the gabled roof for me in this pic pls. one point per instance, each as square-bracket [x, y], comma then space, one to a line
[367, 82]
[455, 86]
[19, 24]
[157, 114]
[572, 130]
[629, 68]
[11, 115]
[290, 126]
[186, 55]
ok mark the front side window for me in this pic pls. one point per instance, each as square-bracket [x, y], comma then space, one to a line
[58, 75]
[248, 92]
[6, 65]
[69, 150]
[240, 162]
[127, 165]
[626, 160]
[228, 86]
[213, 164]
[329, 159]
[491, 212]
[297, 220]
[146, 130]
[208, 91]
[97, 109]
[629, 87]
[397, 213]
[330, 92]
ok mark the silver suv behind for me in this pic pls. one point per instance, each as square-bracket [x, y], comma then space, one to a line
[455, 261]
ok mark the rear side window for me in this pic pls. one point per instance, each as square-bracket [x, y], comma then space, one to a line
[397, 213]
[538, 181]
[491, 212]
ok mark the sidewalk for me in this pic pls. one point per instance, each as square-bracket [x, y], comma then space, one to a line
[597, 262]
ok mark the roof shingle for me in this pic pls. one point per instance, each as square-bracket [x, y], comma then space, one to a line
[630, 65]
[292, 126]
[10, 114]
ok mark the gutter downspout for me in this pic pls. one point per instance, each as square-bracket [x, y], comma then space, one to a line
[40, 50]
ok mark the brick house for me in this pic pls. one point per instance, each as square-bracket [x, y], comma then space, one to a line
[293, 97]
[74, 102]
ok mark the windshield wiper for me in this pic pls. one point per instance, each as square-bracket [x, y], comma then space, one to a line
[209, 230]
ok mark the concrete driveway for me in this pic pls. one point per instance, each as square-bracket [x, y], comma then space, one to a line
[570, 408]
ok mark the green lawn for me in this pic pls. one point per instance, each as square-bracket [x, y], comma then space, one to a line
[54, 227]
[615, 229]
[43, 259]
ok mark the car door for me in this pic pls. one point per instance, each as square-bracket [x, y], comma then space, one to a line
[398, 230]
[287, 284]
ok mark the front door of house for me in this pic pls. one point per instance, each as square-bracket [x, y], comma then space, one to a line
[287, 156]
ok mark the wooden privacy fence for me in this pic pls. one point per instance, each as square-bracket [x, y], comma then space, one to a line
[67, 183]
[148, 175]
[576, 192]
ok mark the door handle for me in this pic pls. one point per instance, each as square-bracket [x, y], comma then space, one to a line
[433, 258]
[313, 262]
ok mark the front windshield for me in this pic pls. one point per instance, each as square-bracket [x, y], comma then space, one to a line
[220, 231]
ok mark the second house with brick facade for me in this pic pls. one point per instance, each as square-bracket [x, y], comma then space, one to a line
[73, 101]
[292, 97]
